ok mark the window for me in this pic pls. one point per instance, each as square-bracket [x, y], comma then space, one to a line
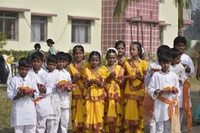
[9, 24]
[38, 28]
[81, 31]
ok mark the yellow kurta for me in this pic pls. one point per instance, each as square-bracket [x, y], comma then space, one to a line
[113, 109]
[133, 96]
[94, 101]
[78, 99]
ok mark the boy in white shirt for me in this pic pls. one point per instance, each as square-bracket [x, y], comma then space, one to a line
[54, 78]
[42, 101]
[23, 116]
[153, 67]
[180, 43]
[164, 89]
[178, 68]
[64, 95]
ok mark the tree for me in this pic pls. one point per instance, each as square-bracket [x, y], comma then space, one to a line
[193, 31]
[181, 4]
[2, 40]
[121, 6]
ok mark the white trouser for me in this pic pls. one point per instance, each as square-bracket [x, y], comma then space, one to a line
[181, 114]
[50, 125]
[64, 120]
[41, 124]
[163, 127]
[152, 125]
[25, 129]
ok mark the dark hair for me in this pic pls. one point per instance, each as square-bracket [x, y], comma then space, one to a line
[139, 47]
[180, 39]
[175, 53]
[60, 56]
[163, 48]
[25, 62]
[68, 57]
[79, 47]
[120, 42]
[111, 51]
[37, 46]
[52, 58]
[165, 57]
[50, 41]
[37, 55]
[95, 53]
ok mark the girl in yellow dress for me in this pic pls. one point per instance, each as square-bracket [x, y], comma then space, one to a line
[121, 58]
[94, 81]
[115, 76]
[134, 90]
[121, 47]
[78, 95]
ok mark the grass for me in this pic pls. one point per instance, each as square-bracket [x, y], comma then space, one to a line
[5, 109]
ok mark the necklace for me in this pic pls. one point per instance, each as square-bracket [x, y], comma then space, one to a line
[111, 69]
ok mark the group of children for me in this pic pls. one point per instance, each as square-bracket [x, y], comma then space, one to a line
[109, 98]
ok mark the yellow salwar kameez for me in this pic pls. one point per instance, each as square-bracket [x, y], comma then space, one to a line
[94, 101]
[133, 97]
[113, 109]
[78, 99]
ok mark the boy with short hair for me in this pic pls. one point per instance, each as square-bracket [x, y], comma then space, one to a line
[23, 116]
[64, 95]
[164, 89]
[180, 43]
[43, 105]
[178, 68]
[54, 78]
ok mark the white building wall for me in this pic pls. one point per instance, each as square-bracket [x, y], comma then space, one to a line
[59, 27]
[169, 13]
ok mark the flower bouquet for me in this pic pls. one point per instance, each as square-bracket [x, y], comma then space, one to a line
[169, 90]
[39, 85]
[64, 85]
[25, 90]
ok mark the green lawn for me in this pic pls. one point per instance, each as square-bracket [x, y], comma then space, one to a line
[5, 108]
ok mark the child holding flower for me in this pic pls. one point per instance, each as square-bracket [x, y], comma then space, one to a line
[63, 87]
[164, 89]
[93, 78]
[134, 90]
[42, 102]
[23, 116]
[78, 95]
[114, 78]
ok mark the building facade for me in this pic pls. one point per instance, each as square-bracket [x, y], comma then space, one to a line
[151, 22]
[67, 22]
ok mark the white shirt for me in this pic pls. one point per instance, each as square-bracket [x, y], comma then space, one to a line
[54, 78]
[160, 81]
[149, 72]
[43, 106]
[180, 71]
[185, 59]
[64, 95]
[23, 109]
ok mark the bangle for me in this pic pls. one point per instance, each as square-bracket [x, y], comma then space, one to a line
[101, 85]
[86, 84]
